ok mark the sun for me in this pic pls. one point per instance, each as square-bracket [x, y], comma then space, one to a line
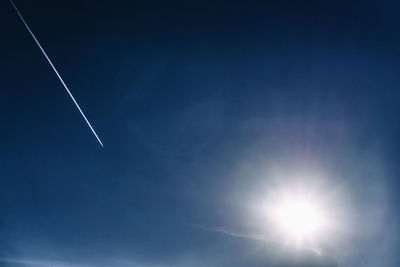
[299, 218]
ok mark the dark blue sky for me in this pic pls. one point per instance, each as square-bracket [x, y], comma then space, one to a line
[199, 105]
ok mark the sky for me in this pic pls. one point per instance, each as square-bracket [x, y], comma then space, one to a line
[207, 110]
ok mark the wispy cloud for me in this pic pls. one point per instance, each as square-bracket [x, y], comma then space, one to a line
[229, 232]
[42, 263]
[250, 237]
[56, 263]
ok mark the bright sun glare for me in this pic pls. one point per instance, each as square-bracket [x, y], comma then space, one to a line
[299, 218]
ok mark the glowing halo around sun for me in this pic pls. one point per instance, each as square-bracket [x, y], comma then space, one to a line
[300, 208]
[298, 217]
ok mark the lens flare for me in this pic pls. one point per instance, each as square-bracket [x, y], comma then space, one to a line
[299, 218]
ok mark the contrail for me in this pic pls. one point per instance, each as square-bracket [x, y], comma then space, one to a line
[55, 70]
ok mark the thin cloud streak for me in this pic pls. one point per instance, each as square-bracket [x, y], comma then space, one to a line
[249, 237]
[105, 263]
[41, 263]
[230, 233]
[49, 263]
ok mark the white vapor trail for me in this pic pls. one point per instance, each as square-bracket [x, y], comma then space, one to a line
[55, 70]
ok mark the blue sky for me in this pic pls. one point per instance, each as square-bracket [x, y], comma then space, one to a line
[205, 110]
